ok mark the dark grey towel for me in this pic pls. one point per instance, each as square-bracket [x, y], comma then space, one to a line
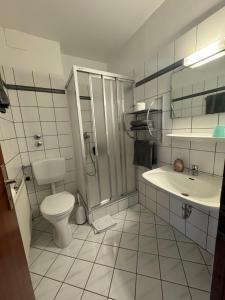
[215, 103]
[145, 153]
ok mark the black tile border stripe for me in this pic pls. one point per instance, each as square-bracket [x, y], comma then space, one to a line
[222, 88]
[161, 72]
[32, 88]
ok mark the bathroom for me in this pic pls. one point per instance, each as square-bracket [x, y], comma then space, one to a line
[112, 150]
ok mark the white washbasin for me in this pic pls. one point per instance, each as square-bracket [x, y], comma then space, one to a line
[202, 189]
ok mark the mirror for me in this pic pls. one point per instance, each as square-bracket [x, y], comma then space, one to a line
[199, 90]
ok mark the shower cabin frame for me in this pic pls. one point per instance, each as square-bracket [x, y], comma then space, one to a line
[118, 79]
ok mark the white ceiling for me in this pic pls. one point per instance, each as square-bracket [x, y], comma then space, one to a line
[93, 29]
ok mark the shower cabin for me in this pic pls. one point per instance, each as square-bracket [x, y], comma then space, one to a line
[103, 151]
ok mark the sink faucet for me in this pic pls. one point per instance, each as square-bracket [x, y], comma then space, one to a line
[194, 170]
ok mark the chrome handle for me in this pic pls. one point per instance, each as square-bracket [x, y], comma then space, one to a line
[37, 136]
[38, 144]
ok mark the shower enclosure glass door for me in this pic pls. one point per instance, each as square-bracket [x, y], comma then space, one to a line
[109, 172]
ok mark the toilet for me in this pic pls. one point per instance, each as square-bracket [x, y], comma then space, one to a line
[57, 207]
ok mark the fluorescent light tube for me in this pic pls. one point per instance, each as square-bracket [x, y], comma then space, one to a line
[204, 53]
[211, 58]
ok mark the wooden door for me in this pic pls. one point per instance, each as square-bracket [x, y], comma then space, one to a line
[218, 279]
[15, 282]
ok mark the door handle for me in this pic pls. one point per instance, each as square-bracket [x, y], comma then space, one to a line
[10, 181]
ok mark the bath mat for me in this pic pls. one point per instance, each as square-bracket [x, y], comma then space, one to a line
[103, 223]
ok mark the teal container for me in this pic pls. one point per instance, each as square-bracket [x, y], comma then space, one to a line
[219, 131]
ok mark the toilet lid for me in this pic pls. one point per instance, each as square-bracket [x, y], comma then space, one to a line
[57, 204]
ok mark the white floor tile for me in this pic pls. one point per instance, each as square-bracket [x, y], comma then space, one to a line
[199, 295]
[131, 227]
[47, 289]
[173, 291]
[60, 267]
[107, 255]
[147, 218]
[35, 279]
[43, 262]
[148, 264]
[197, 276]
[97, 238]
[68, 292]
[208, 258]
[42, 241]
[172, 270]
[129, 241]
[112, 238]
[126, 260]
[89, 251]
[148, 244]
[120, 215]
[190, 252]
[100, 279]
[82, 231]
[168, 248]
[133, 216]
[91, 296]
[34, 253]
[148, 288]
[53, 248]
[123, 285]
[160, 221]
[79, 273]
[180, 237]
[147, 229]
[119, 225]
[73, 248]
[164, 232]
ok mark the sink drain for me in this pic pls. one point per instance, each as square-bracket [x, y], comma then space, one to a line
[185, 194]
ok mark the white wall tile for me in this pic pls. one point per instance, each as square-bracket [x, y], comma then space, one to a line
[30, 114]
[32, 128]
[41, 80]
[163, 199]
[177, 222]
[211, 30]
[44, 99]
[50, 142]
[212, 229]
[48, 128]
[27, 98]
[219, 164]
[62, 114]
[163, 213]
[63, 127]
[47, 114]
[16, 114]
[203, 159]
[196, 235]
[166, 56]
[198, 219]
[186, 44]
[60, 100]
[13, 98]
[211, 243]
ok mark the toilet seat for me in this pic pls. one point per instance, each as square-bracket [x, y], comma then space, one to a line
[57, 204]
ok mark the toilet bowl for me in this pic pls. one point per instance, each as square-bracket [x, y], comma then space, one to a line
[56, 209]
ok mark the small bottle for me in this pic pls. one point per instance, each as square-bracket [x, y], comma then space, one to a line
[178, 165]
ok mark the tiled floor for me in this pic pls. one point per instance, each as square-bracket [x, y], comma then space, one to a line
[141, 258]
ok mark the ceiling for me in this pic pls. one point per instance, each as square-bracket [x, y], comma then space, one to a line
[93, 29]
